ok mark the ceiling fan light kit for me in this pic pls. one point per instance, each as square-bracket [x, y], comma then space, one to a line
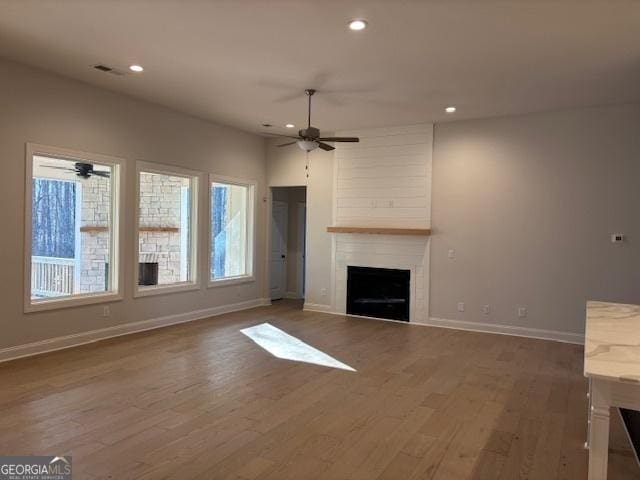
[307, 145]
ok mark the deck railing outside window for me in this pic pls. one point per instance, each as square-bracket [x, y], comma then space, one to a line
[52, 277]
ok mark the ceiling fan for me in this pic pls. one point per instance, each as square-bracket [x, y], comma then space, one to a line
[309, 138]
[82, 170]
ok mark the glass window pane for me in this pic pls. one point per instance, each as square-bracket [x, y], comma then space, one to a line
[229, 218]
[164, 229]
[71, 227]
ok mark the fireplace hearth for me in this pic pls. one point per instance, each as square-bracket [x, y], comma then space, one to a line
[378, 292]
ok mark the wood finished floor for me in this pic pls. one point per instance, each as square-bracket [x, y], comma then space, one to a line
[201, 400]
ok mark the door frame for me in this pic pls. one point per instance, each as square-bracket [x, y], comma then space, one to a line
[267, 199]
[301, 213]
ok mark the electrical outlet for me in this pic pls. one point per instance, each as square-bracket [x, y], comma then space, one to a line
[323, 292]
[617, 237]
[451, 254]
[522, 312]
[461, 306]
[106, 311]
[486, 309]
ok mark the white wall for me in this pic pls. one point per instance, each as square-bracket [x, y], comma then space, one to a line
[385, 179]
[44, 108]
[528, 203]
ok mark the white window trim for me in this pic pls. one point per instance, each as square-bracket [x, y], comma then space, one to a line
[196, 181]
[117, 224]
[252, 205]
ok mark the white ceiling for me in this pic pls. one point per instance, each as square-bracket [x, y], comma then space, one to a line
[247, 62]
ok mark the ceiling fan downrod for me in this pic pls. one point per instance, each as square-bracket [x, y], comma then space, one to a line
[309, 92]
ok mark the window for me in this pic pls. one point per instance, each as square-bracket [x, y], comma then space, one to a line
[167, 229]
[71, 228]
[231, 219]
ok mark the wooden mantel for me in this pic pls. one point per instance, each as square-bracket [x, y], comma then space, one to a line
[425, 232]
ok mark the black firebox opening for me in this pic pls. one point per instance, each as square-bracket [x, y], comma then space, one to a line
[378, 292]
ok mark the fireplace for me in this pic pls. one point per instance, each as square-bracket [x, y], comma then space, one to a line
[378, 292]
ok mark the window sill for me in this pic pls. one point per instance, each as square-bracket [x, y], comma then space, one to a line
[74, 301]
[232, 281]
[142, 291]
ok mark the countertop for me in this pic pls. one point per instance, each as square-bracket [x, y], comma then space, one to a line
[612, 342]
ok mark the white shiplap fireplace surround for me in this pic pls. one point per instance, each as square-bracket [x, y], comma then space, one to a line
[384, 181]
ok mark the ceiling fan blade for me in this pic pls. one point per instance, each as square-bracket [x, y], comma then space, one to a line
[57, 167]
[100, 174]
[339, 139]
[280, 135]
[326, 147]
[286, 144]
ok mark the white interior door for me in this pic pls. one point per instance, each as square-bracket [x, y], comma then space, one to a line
[279, 218]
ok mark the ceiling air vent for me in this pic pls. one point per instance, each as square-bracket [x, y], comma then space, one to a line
[107, 69]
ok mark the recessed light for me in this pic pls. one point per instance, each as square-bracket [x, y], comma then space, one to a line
[450, 109]
[290, 125]
[136, 68]
[358, 24]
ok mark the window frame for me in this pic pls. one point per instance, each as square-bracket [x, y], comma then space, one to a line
[196, 180]
[250, 252]
[116, 258]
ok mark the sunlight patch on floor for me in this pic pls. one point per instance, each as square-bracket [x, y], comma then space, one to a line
[282, 345]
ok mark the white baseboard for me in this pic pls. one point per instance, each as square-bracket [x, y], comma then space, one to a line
[558, 336]
[317, 307]
[292, 295]
[74, 340]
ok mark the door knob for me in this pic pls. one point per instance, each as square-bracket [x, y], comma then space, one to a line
[283, 256]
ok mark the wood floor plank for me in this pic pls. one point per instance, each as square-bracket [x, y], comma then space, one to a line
[201, 400]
